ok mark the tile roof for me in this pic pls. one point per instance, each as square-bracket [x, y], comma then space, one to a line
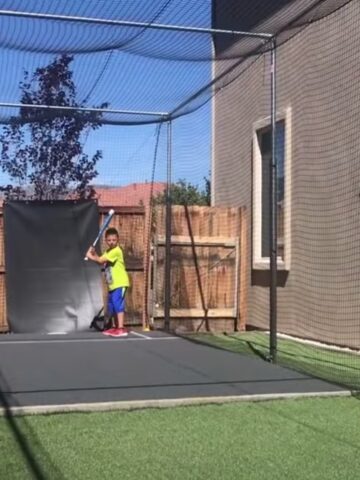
[129, 195]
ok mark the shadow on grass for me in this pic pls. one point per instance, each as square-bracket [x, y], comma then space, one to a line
[256, 351]
[200, 339]
[38, 462]
[283, 351]
[312, 365]
[339, 373]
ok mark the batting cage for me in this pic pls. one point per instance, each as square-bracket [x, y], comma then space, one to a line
[223, 137]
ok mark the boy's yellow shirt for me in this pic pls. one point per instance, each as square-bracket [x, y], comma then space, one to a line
[115, 271]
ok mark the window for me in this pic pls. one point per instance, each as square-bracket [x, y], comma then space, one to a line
[261, 203]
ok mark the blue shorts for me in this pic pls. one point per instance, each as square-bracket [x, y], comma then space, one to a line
[116, 301]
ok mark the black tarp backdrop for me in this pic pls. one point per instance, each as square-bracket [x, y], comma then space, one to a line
[50, 288]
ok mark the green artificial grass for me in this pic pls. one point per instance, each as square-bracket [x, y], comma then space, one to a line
[287, 439]
[339, 367]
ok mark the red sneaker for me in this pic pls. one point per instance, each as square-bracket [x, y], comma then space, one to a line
[118, 332]
[109, 331]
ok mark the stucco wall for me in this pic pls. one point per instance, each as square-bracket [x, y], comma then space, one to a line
[317, 75]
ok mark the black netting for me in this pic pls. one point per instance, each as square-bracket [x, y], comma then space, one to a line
[168, 70]
[215, 89]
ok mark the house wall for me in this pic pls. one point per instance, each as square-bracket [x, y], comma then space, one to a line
[317, 75]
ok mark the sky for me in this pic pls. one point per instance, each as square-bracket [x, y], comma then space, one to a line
[128, 151]
[150, 73]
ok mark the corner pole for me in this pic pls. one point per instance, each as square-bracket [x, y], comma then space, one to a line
[273, 210]
[167, 279]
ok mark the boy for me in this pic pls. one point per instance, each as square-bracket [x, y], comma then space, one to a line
[116, 278]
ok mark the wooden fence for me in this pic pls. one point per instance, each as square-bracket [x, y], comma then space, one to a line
[208, 276]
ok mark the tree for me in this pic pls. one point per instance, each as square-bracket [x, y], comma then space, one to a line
[185, 193]
[41, 149]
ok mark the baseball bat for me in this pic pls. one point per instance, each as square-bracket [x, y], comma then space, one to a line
[103, 228]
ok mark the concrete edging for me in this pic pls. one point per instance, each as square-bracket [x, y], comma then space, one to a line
[162, 403]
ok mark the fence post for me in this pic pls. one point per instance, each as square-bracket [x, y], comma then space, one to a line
[167, 292]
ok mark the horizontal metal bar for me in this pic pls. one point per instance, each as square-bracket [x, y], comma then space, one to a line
[197, 313]
[200, 241]
[82, 109]
[125, 23]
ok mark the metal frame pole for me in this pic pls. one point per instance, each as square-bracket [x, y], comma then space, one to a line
[273, 210]
[167, 279]
[81, 109]
[127, 23]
